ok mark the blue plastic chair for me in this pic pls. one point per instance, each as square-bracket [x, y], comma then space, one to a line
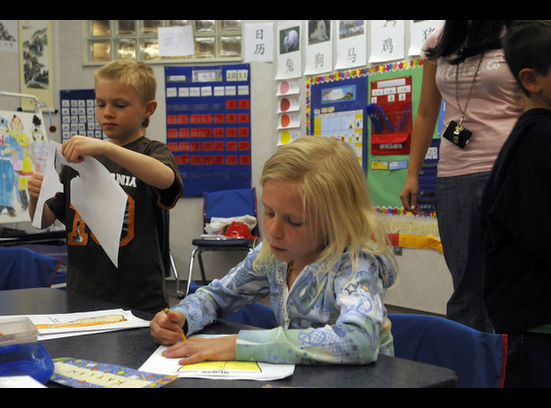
[477, 358]
[223, 204]
[23, 268]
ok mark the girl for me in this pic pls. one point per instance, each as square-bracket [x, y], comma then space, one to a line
[324, 262]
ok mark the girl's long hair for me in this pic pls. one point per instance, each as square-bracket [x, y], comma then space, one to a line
[335, 195]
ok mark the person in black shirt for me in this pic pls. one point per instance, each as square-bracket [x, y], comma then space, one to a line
[516, 216]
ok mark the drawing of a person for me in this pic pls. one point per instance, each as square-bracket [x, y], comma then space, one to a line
[26, 169]
[39, 146]
[10, 151]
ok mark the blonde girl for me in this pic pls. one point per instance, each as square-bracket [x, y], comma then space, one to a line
[323, 261]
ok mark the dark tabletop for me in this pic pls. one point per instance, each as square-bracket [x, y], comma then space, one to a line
[132, 347]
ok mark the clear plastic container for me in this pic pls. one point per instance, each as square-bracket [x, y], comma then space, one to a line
[21, 353]
[17, 330]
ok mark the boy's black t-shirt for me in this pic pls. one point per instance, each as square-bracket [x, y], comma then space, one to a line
[516, 222]
[139, 280]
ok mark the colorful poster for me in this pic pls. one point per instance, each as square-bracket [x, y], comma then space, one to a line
[23, 150]
[394, 92]
[335, 107]
[209, 126]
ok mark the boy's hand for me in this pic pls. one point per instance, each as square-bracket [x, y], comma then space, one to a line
[77, 147]
[34, 184]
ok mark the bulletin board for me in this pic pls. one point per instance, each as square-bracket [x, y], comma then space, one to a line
[335, 106]
[392, 93]
[209, 127]
[392, 103]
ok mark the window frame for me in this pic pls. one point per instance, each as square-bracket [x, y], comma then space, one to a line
[218, 32]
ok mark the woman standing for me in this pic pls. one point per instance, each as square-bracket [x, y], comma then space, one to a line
[464, 66]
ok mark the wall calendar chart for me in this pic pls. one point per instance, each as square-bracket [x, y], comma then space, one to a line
[209, 126]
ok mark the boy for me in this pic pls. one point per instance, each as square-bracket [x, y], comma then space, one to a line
[147, 172]
[515, 215]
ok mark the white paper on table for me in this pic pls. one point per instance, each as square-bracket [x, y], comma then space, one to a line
[20, 381]
[158, 364]
[81, 323]
[95, 194]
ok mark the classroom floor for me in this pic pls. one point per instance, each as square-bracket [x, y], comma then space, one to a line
[173, 299]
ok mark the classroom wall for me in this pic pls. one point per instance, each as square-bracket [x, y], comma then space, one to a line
[425, 283]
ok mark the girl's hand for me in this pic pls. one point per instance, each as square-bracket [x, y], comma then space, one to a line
[166, 328]
[198, 349]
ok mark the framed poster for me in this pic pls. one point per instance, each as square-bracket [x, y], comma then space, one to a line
[335, 106]
[209, 126]
[35, 62]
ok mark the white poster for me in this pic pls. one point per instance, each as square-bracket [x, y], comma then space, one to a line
[387, 40]
[176, 41]
[319, 47]
[419, 32]
[289, 58]
[35, 62]
[8, 36]
[259, 42]
[351, 44]
[23, 150]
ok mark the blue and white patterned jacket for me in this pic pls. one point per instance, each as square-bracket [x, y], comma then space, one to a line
[336, 317]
